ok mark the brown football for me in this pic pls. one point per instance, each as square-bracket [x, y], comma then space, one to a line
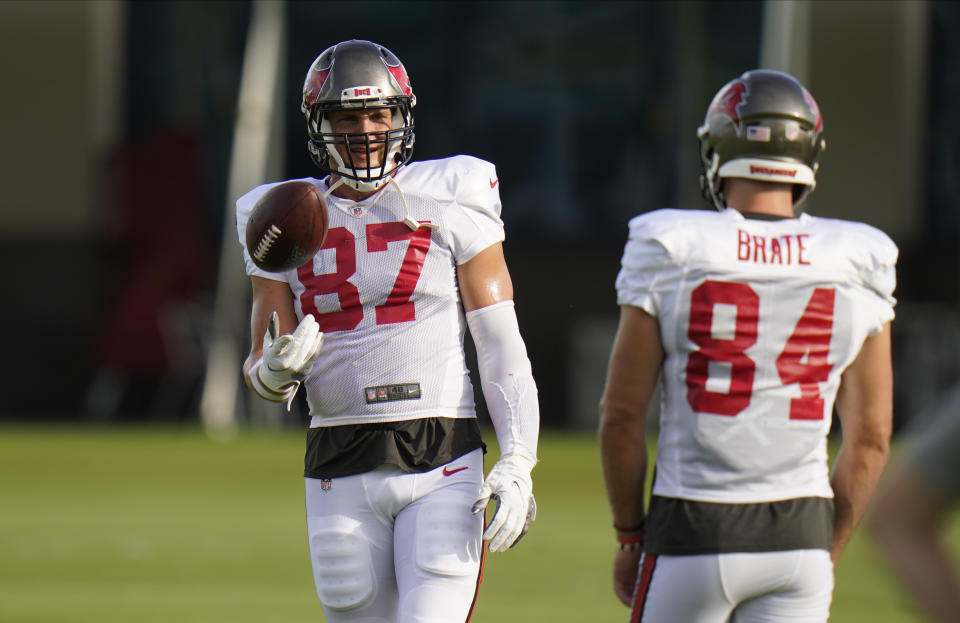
[287, 226]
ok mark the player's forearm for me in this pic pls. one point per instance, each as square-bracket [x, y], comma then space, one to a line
[506, 378]
[854, 480]
[631, 381]
[623, 452]
[865, 408]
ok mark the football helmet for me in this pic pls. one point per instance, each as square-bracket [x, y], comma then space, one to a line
[762, 126]
[353, 75]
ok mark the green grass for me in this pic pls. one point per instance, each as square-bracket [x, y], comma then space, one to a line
[161, 524]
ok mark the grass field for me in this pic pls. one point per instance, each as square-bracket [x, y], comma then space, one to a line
[161, 524]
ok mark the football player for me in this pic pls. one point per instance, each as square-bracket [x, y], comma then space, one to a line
[758, 320]
[395, 493]
[915, 506]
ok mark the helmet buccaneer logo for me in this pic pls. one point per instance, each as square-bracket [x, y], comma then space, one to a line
[314, 83]
[728, 102]
[400, 75]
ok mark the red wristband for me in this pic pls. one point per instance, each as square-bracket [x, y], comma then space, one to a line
[630, 539]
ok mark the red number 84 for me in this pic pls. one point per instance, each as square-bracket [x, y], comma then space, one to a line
[803, 359]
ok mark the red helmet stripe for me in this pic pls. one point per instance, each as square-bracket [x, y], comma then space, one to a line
[311, 90]
[400, 74]
[814, 109]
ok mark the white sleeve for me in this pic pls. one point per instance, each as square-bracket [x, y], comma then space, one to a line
[645, 267]
[879, 274]
[475, 222]
[506, 378]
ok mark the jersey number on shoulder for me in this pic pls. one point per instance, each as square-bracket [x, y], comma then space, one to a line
[397, 308]
[803, 359]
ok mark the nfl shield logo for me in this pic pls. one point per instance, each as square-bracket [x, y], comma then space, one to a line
[357, 210]
[325, 484]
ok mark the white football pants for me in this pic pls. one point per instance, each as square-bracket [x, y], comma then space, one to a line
[768, 587]
[388, 546]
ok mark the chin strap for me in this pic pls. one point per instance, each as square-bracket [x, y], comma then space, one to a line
[333, 187]
[407, 219]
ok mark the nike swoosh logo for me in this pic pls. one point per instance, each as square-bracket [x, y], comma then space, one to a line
[493, 183]
[451, 472]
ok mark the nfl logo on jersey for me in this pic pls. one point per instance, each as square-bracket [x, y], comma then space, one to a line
[325, 484]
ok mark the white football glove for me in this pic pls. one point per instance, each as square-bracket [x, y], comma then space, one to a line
[510, 484]
[286, 359]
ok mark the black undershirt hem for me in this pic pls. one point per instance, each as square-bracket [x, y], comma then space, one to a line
[678, 527]
[415, 446]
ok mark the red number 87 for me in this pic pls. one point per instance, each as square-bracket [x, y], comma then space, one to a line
[803, 359]
[397, 307]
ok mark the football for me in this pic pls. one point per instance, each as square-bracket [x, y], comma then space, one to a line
[287, 226]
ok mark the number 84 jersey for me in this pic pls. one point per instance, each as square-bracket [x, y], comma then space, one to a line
[385, 294]
[758, 319]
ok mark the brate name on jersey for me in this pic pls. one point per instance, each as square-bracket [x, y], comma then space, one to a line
[786, 249]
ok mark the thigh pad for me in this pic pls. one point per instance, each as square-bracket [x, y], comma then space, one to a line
[342, 566]
[448, 538]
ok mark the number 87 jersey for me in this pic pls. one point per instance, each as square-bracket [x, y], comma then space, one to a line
[758, 320]
[385, 293]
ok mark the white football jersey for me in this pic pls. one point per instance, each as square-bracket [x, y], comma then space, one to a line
[386, 296]
[758, 318]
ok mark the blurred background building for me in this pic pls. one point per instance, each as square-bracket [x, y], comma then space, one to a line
[120, 139]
